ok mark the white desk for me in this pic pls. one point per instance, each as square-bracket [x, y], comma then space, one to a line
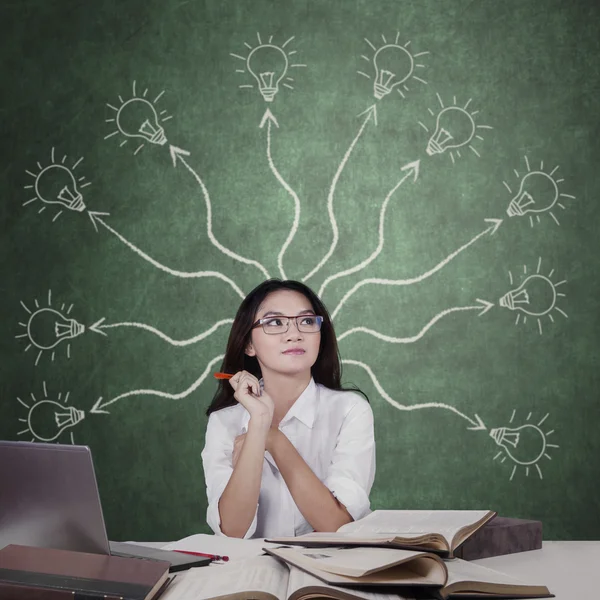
[566, 568]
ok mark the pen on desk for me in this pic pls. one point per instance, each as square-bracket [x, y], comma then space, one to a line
[223, 375]
[211, 556]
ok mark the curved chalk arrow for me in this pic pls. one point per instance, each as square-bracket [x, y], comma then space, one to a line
[96, 218]
[371, 112]
[271, 120]
[100, 407]
[412, 169]
[482, 307]
[476, 423]
[177, 154]
[491, 229]
[100, 326]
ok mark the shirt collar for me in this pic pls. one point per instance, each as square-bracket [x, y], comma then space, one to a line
[305, 407]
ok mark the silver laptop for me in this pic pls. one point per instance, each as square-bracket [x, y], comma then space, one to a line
[49, 498]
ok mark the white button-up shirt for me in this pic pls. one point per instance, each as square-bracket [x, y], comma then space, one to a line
[331, 430]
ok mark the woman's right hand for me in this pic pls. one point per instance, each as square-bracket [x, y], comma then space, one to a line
[257, 402]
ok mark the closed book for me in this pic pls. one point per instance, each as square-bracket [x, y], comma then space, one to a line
[500, 536]
[28, 572]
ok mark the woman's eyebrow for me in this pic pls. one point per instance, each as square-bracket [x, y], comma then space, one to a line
[302, 312]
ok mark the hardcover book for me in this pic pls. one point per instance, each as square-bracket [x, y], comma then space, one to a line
[440, 531]
[500, 536]
[28, 572]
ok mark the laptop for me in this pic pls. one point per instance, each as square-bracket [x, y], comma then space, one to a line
[49, 498]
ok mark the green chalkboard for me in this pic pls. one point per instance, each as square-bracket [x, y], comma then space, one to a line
[429, 168]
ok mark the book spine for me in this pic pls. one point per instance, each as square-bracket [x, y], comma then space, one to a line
[11, 591]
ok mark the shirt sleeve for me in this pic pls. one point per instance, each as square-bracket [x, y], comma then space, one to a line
[352, 469]
[218, 467]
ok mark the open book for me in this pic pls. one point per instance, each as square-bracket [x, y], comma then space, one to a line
[440, 531]
[377, 568]
[263, 578]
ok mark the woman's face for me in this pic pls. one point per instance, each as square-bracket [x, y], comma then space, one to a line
[291, 352]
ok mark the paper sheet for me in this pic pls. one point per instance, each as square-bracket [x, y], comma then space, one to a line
[411, 523]
[461, 570]
[300, 579]
[235, 548]
[264, 574]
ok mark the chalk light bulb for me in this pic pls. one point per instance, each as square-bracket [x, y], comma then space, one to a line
[47, 419]
[536, 296]
[55, 184]
[268, 64]
[454, 128]
[47, 328]
[525, 444]
[393, 66]
[138, 119]
[537, 193]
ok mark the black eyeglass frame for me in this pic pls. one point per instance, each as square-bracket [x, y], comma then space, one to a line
[261, 322]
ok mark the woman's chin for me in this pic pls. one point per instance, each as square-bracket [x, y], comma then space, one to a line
[293, 367]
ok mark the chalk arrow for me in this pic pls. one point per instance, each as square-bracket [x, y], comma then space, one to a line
[268, 116]
[496, 224]
[97, 326]
[95, 217]
[97, 409]
[492, 227]
[370, 112]
[177, 153]
[409, 169]
[414, 166]
[478, 425]
[482, 306]
[485, 305]
[100, 327]
[270, 119]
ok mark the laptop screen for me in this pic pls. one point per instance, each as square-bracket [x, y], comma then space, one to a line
[49, 497]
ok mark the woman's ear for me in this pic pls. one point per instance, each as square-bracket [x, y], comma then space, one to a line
[250, 350]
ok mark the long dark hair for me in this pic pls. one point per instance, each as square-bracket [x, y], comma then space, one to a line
[327, 369]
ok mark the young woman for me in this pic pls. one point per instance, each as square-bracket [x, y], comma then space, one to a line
[287, 449]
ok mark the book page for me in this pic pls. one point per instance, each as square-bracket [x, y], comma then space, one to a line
[264, 575]
[358, 562]
[299, 580]
[414, 523]
[234, 548]
[406, 574]
[461, 570]
[341, 537]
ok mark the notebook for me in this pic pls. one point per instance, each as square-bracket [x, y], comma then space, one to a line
[49, 498]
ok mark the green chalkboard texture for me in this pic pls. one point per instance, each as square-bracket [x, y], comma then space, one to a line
[429, 168]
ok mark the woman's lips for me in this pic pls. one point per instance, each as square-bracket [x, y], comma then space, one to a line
[294, 351]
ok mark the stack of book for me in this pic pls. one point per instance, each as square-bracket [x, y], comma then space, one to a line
[389, 555]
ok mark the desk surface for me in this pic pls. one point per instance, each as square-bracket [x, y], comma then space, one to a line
[568, 569]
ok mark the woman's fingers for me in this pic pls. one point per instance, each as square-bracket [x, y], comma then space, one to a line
[245, 383]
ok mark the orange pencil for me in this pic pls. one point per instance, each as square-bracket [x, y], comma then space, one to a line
[223, 375]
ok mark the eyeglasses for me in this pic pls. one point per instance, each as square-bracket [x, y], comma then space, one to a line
[280, 324]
